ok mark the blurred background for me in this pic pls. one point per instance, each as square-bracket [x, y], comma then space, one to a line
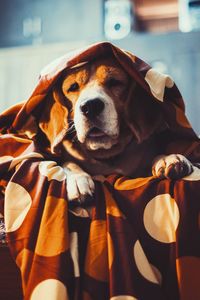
[165, 33]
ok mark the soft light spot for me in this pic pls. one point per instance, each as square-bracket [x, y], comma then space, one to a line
[110, 250]
[111, 206]
[17, 204]
[50, 242]
[124, 184]
[161, 218]
[96, 262]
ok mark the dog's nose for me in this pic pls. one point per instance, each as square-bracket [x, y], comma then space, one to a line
[92, 108]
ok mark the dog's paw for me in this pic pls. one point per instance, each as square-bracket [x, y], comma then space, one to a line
[80, 187]
[174, 166]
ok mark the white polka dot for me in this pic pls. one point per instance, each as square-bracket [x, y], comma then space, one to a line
[74, 252]
[21, 158]
[161, 218]
[123, 297]
[17, 204]
[147, 270]
[81, 212]
[51, 170]
[5, 158]
[194, 176]
[157, 83]
[51, 289]
[157, 274]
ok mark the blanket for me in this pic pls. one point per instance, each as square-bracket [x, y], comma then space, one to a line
[140, 237]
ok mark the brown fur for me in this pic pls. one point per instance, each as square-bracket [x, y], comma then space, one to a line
[139, 117]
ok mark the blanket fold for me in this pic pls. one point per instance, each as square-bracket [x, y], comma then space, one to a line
[142, 238]
[139, 240]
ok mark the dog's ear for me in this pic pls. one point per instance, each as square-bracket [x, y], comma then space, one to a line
[54, 119]
[142, 113]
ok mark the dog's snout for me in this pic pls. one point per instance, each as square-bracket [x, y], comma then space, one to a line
[92, 108]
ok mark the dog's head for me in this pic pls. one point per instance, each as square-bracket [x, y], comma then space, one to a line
[99, 107]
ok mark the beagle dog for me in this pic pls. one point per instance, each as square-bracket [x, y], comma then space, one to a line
[95, 103]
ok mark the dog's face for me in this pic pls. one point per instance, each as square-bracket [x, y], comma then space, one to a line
[95, 109]
[97, 93]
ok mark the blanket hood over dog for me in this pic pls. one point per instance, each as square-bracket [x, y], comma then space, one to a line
[141, 238]
[22, 118]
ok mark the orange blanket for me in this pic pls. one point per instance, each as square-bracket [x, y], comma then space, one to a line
[141, 238]
[142, 241]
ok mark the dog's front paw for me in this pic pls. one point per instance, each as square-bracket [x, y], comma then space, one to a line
[174, 166]
[80, 187]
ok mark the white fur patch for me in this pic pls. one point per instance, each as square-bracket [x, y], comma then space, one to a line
[107, 120]
[79, 184]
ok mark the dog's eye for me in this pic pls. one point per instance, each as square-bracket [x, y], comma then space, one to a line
[112, 82]
[73, 87]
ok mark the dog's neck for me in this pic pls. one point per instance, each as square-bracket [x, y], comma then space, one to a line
[135, 160]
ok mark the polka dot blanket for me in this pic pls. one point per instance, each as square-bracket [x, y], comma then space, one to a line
[141, 237]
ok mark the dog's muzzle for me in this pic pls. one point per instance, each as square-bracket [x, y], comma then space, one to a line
[92, 108]
[96, 119]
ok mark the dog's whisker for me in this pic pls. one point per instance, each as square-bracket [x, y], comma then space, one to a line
[72, 127]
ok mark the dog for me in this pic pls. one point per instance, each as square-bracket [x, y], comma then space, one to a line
[112, 128]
